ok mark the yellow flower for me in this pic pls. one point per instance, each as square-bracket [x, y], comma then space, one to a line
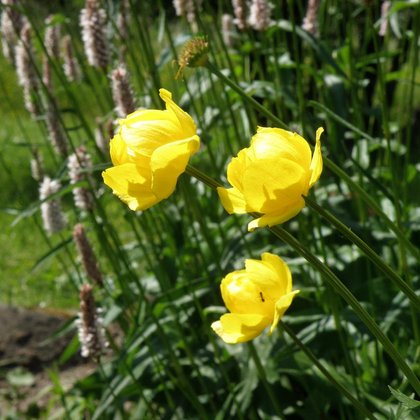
[256, 297]
[150, 151]
[271, 176]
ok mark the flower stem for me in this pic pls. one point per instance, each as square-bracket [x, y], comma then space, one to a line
[354, 186]
[263, 377]
[337, 285]
[328, 163]
[201, 176]
[345, 293]
[325, 372]
[250, 99]
[367, 250]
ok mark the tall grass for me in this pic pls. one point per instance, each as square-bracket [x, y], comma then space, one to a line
[349, 345]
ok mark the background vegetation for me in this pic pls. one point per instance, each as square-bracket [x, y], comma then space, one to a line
[162, 268]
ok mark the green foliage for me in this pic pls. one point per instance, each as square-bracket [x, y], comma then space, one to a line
[349, 345]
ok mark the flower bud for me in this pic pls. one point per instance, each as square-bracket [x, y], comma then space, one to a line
[310, 21]
[25, 69]
[194, 54]
[122, 93]
[37, 170]
[260, 15]
[90, 325]
[227, 29]
[78, 163]
[240, 11]
[70, 65]
[56, 133]
[10, 25]
[52, 38]
[92, 22]
[385, 7]
[52, 216]
[86, 254]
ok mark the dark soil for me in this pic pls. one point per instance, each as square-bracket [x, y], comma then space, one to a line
[27, 340]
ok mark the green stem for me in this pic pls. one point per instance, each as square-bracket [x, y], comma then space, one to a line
[263, 377]
[213, 69]
[340, 324]
[328, 163]
[205, 179]
[357, 188]
[325, 372]
[367, 250]
[345, 293]
[337, 285]
[301, 99]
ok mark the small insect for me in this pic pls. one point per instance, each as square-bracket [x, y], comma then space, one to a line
[262, 297]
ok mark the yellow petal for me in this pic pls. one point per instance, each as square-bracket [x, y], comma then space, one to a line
[132, 184]
[142, 115]
[282, 216]
[281, 269]
[288, 145]
[243, 296]
[186, 122]
[271, 274]
[238, 328]
[273, 184]
[263, 275]
[143, 137]
[118, 150]
[236, 169]
[316, 164]
[255, 291]
[232, 200]
[168, 162]
[281, 307]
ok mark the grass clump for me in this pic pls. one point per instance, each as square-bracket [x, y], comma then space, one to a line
[348, 346]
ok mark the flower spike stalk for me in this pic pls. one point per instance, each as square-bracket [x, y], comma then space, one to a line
[86, 254]
[90, 325]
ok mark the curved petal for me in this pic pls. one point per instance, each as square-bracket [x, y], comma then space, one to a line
[272, 219]
[168, 162]
[262, 274]
[281, 269]
[118, 150]
[142, 115]
[238, 328]
[144, 137]
[316, 164]
[271, 275]
[242, 296]
[281, 307]
[270, 185]
[232, 200]
[186, 122]
[132, 184]
[288, 145]
[236, 168]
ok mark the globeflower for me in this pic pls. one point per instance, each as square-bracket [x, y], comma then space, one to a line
[271, 176]
[149, 152]
[256, 297]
